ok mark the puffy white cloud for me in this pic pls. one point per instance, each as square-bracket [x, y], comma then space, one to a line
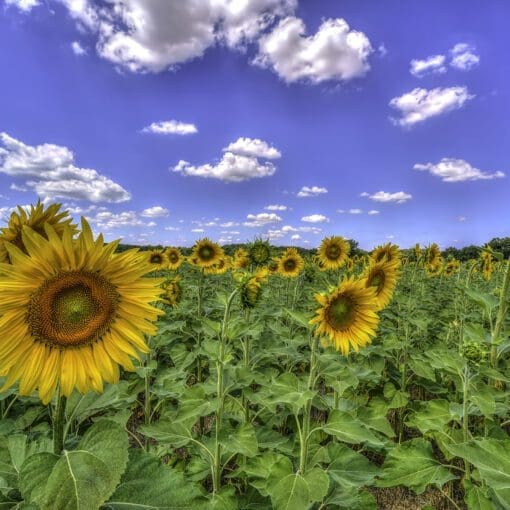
[456, 170]
[434, 64]
[334, 52]
[155, 36]
[372, 212]
[295, 237]
[23, 5]
[198, 230]
[464, 57]
[311, 191]
[229, 224]
[107, 220]
[78, 49]
[383, 196]
[261, 219]
[253, 147]
[51, 173]
[355, 211]
[241, 161]
[170, 127]
[155, 212]
[276, 207]
[315, 218]
[421, 104]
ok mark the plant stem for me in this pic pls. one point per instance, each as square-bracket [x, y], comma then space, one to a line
[58, 425]
[502, 309]
[465, 414]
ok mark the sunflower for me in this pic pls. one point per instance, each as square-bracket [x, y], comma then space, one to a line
[451, 267]
[156, 259]
[259, 252]
[432, 257]
[174, 257]
[241, 260]
[290, 263]
[382, 277]
[388, 252]
[36, 218]
[251, 288]
[435, 269]
[206, 253]
[272, 265]
[347, 315]
[333, 252]
[172, 291]
[221, 267]
[72, 312]
[417, 251]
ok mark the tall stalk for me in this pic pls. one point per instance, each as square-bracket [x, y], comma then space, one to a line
[58, 424]
[500, 317]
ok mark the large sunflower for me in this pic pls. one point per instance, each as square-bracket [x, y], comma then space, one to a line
[259, 252]
[347, 315]
[35, 218]
[174, 258]
[156, 259]
[388, 252]
[333, 252]
[221, 267]
[290, 264]
[382, 277]
[206, 253]
[241, 260]
[71, 312]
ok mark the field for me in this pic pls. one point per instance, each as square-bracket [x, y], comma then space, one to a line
[240, 403]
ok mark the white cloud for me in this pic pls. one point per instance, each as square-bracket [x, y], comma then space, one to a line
[78, 49]
[172, 229]
[461, 218]
[261, 219]
[170, 127]
[229, 224]
[233, 166]
[313, 191]
[198, 230]
[355, 211]
[383, 196]
[155, 36]
[253, 147]
[372, 212]
[421, 104]
[276, 207]
[23, 5]
[155, 212]
[295, 237]
[434, 64]
[334, 52]
[464, 57]
[106, 220]
[315, 218]
[52, 174]
[456, 170]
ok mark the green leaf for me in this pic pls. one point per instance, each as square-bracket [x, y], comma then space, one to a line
[486, 301]
[175, 434]
[433, 415]
[484, 398]
[413, 465]
[34, 475]
[299, 318]
[318, 484]
[243, 440]
[349, 429]
[148, 484]
[350, 468]
[477, 498]
[291, 493]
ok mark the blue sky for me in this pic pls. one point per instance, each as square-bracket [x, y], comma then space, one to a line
[165, 121]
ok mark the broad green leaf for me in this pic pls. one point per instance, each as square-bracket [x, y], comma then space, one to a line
[175, 434]
[476, 497]
[486, 301]
[432, 415]
[413, 465]
[291, 493]
[350, 498]
[484, 398]
[349, 429]
[243, 440]
[350, 468]
[318, 484]
[299, 318]
[34, 475]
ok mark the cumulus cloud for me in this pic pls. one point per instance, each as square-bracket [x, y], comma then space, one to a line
[464, 57]
[383, 196]
[78, 49]
[261, 219]
[50, 171]
[456, 170]
[236, 166]
[372, 212]
[315, 218]
[170, 127]
[434, 64]
[23, 5]
[313, 191]
[420, 104]
[155, 212]
[107, 220]
[295, 237]
[276, 207]
[334, 52]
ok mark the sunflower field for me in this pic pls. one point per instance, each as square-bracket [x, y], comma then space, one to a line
[262, 378]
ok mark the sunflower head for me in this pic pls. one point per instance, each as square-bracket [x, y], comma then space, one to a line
[432, 256]
[156, 259]
[251, 288]
[174, 258]
[35, 218]
[451, 267]
[382, 277]
[347, 315]
[172, 291]
[73, 311]
[417, 251]
[272, 266]
[241, 259]
[290, 263]
[388, 252]
[221, 267]
[333, 252]
[206, 253]
[259, 252]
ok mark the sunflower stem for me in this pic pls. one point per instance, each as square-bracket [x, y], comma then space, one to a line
[58, 425]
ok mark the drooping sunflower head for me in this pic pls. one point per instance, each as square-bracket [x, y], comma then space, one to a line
[347, 315]
[290, 263]
[172, 291]
[451, 267]
[333, 252]
[72, 311]
[241, 259]
[417, 251]
[436, 268]
[432, 256]
[272, 265]
[174, 258]
[251, 288]
[156, 259]
[259, 252]
[206, 253]
[221, 267]
[35, 218]
[388, 252]
[382, 277]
